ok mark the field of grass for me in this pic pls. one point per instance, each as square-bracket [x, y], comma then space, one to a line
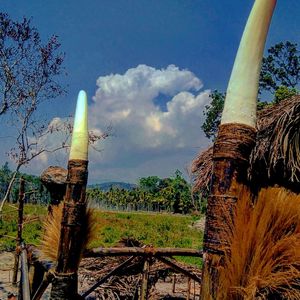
[159, 230]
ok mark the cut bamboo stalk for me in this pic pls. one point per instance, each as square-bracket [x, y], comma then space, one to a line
[64, 285]
[235, 140]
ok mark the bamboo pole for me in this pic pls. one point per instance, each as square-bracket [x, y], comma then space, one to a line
[138, 251]
[64, 284]
[25, 287]
[234, 143]
[20, 227]
[188, 289]
[144, 285]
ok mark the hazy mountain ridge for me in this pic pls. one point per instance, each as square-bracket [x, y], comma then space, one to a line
[105, 186]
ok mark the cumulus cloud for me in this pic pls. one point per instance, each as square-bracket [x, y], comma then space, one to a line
[146, 130]
[152, 135]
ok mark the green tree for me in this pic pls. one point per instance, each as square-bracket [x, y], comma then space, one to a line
[213, 113]
[281, 67]
[284, 92]
[5, 176]
[150, 184]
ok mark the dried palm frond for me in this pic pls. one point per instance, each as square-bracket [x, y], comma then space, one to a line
[275, 158]
[262, 260]
[202, 165]
[52, 228]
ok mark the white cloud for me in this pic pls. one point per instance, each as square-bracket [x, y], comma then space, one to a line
[144, 131]
[149, 139]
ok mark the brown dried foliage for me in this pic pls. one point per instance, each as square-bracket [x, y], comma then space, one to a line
[276, 155]
[278, 138]
[52, 227]
[202, 166]
[262, 260]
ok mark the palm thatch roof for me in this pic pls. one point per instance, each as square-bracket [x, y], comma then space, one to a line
[275, 158]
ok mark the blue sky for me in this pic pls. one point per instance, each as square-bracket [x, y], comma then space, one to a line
[147, 67]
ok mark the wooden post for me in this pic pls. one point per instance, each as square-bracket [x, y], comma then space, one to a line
[188, 289]
[230, 162]
[144, 285]
[64, 285]
[20, 227]
[174, 283]
[24, 284]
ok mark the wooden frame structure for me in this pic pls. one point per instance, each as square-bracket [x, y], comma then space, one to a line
[42, 279]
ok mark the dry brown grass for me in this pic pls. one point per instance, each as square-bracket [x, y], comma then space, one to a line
[263, 256]
[52, 227]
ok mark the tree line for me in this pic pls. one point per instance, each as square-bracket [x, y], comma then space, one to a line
[152, 193]
[172, 194]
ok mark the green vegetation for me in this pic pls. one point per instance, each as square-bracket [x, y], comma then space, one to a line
[159, 230]
[173, 194]
[9, 225]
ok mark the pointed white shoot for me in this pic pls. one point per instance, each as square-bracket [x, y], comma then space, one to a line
[241, 97]
[80, 139]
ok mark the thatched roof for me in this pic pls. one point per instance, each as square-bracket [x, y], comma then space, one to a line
[275, 158]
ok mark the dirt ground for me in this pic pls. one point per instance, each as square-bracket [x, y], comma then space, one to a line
[6, 274]
[163, 288]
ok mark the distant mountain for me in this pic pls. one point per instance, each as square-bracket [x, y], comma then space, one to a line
[116, 185]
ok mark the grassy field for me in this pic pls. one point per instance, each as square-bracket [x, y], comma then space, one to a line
[159, 230]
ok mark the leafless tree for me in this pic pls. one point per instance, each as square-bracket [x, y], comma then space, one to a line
[30, 72]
